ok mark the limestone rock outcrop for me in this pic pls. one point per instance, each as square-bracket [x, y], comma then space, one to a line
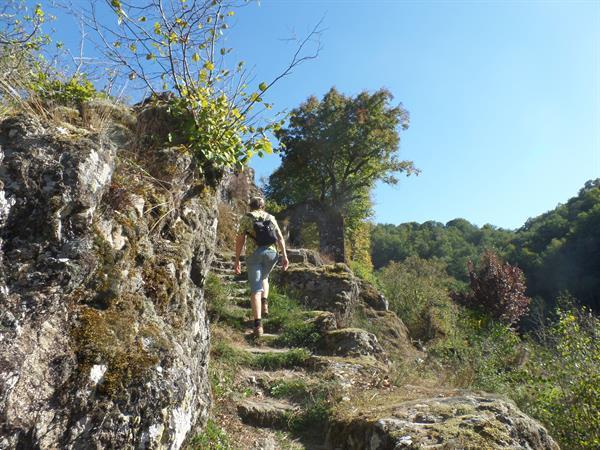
[456, 420]
[103, 333]
[350, 342]
[331, 288]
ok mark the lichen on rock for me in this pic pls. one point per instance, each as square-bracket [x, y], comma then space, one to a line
[452, 420]
[104, 334]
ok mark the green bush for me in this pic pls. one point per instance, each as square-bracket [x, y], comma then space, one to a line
[562, 387]
[72, 92]
[480, 352]
[417, 290]
[218, 304]
[364, 271]
[553, 376]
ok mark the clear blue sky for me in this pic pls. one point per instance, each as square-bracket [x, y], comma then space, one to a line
[504, 96]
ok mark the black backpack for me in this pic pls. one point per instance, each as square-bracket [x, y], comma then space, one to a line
[264, 231]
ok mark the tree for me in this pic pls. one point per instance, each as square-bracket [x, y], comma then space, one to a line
[333, 152]
[497, 288]
[177, 46]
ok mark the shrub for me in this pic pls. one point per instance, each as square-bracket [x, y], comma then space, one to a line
[417, 290]
[217, 297]
[497, 288]
[287, 318]
[71, 92]
[553, 376]
[480, 352]
[315, 398]
[563, 389]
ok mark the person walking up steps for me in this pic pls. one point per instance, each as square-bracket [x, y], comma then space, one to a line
[261, 256]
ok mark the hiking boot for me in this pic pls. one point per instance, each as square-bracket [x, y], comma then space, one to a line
[258, 331]
[265, 307]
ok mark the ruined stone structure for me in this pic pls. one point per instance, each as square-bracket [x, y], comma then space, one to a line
[330, 224]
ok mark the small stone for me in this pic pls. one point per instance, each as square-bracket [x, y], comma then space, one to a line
[404, 441]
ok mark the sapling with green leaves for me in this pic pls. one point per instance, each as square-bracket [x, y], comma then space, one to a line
[177, 46]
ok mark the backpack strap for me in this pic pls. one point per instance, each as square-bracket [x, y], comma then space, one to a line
[253, 219]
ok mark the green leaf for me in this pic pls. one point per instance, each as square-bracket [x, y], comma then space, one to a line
[196, 57]
[267, 146]
[39, 12]
[150, 56]
[133, 47]
[208, 65]
[262, 86]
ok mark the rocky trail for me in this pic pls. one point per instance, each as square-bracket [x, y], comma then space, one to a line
[340, 389]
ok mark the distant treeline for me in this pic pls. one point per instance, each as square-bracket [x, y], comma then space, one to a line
[558, 250]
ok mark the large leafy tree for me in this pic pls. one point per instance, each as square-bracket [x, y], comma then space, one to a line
[333, 152]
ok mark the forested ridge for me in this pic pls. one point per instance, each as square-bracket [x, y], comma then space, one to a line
[558, 251]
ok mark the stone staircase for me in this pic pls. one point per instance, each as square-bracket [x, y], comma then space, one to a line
[370, 410]
[260, 410]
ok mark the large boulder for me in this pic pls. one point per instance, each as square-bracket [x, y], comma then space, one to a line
[304, 256]
[331, 288]
[104, 336]
[371, 297]
[323, 321]
[350, 342]
[457, 420]
[391, 333]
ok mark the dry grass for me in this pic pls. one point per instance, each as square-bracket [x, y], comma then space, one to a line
[226, 226]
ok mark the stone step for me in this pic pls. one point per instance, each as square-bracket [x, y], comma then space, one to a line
[266, 412]
[233, 278]
[228, 256]
[265, 378]
[222, 271]
[222, 264]
[237, 291]
[265, 350]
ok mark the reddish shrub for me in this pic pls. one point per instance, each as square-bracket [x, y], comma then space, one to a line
[497, 288]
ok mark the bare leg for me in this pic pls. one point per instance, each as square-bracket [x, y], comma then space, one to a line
[255, 302]
[265, 285]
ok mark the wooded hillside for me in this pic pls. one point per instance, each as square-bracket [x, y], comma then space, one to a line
[558, 250]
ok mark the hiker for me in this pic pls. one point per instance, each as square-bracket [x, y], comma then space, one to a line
[261, 256]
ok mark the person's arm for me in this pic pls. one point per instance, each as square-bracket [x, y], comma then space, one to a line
[281, 244]
[240, 240]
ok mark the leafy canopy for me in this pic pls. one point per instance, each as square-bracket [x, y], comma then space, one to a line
[335, 149]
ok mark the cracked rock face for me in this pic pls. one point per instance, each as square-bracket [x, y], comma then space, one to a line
[327, 288]
[103, 333]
